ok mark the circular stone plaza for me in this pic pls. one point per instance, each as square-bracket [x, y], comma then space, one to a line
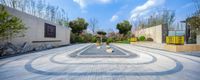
[87, 62]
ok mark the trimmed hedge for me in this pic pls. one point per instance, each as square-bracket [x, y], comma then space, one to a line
[142, 38]
[149, 39]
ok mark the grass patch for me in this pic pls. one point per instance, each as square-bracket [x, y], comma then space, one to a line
[124, 42]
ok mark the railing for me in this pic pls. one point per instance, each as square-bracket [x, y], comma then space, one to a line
[177, 40]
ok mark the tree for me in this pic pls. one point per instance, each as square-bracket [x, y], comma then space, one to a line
[93, 25]
[10, 26]
[194, 22]
[158, 17]
[53, 11]
[47, 11]
[22, 4]
[124, 27]
[40, 7]
[168, 17]
[13, 3]
[33, 7]
[197, 6]
[62, 18]
[101, 34]
[3, 2]
[78, 25]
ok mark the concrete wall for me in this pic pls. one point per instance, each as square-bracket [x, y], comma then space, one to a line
[198, 39]
[182, 48]
[153, 32]
[34, 35]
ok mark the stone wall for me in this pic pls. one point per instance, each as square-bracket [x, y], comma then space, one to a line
[156, 33]
[34, 35]
[198, 39]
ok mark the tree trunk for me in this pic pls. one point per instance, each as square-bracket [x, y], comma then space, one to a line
[101, 39]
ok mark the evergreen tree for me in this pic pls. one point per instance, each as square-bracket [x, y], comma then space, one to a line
[10, 26]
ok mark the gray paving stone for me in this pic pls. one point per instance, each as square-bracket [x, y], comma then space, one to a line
[56, 64]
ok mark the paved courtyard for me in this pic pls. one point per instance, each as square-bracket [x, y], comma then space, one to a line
[82, 62]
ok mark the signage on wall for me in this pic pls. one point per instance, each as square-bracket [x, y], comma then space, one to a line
[50, 31]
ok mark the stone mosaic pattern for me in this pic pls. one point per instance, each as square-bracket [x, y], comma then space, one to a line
[54, 64]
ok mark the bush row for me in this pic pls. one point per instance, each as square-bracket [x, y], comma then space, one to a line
[143, 38]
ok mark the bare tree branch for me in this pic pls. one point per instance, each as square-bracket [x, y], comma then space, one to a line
[93, 25]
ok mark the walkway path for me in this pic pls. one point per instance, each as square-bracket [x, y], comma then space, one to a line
[56, 64]
[161, 47]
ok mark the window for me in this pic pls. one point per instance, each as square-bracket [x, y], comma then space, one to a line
[50, 31]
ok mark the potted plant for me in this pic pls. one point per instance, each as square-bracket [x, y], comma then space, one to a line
[98, 45]
[109, 49]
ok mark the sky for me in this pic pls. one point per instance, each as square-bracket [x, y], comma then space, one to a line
[110, 12]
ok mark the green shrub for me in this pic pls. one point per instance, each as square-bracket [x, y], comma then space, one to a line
[109, 40]
[94, 39]
[142, 38]
[82, 39]
[104, 39]
[149, 39]
[77, 38]
[192, 41]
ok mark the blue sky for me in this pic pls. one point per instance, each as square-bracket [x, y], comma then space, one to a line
[110, 12]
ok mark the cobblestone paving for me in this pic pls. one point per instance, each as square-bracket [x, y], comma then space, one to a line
[56, 64]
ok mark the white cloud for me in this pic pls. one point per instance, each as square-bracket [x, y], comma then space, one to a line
[84, 3]
[104, 1]
[81, 3]
[188, 5]
[144, 9]
[120, 12]
[114, 18]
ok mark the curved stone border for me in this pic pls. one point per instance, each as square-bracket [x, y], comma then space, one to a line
[154, 59]
[10, 61]
[2, 64]
[177, 68]
[170, 53]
